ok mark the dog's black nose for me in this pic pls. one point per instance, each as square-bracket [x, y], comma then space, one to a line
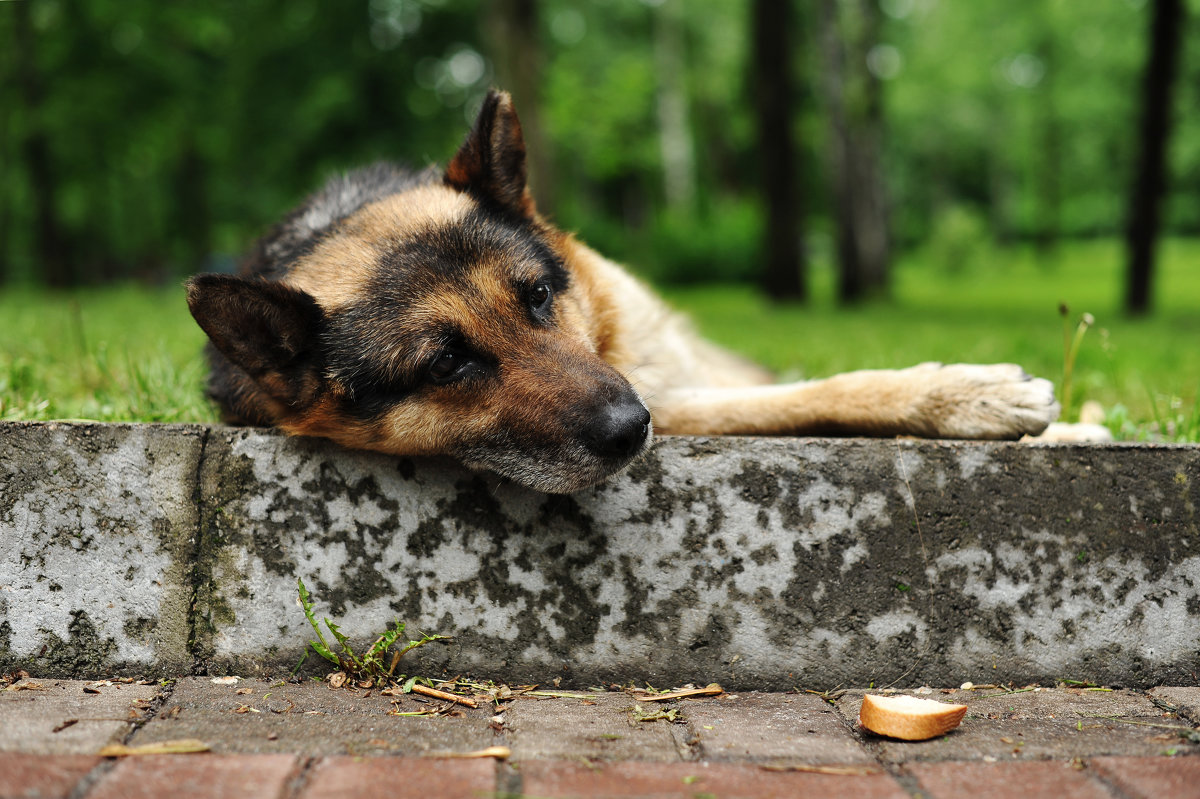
[619, 429]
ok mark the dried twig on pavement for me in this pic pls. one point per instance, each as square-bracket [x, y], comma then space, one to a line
[712, 689]
[425, 690]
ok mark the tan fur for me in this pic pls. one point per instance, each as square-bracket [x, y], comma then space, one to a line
[339, 265]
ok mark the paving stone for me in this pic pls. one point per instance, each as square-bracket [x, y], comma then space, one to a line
[310, 718]
[29, 718]
[1061, 723]
[1045, 778]
[1151, 777]
[400, 778]
[26, 776]
[771, 728]
[667, 780]
[1186, 699]
[199, 776]
[598, 728]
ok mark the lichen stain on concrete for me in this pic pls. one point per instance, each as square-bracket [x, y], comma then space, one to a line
[94, 521]
[84, 651]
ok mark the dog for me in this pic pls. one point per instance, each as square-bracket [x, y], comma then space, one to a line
[436, 312]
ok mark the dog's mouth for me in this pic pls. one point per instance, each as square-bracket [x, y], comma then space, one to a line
[610, 441]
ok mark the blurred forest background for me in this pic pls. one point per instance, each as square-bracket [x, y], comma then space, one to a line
[148, 139]
[814, 150]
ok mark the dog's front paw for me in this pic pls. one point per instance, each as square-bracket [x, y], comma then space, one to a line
[995, 402]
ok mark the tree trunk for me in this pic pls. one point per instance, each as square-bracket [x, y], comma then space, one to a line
[854, 99]
[50, 253]
[783, 275]
[1149, 183]
[674, 127]
[516, 47]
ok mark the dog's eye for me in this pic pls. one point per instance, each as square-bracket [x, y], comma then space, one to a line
[448, 366]
[539, 298]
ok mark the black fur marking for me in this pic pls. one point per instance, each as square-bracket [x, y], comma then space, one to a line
[381, 364]
[449, 252]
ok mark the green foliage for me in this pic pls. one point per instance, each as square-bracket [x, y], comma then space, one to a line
[1071, 344]
[176, 133]
[959, 240]
[370, 664]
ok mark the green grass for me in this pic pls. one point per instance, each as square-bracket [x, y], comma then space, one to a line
[124, 353]
[131, 353]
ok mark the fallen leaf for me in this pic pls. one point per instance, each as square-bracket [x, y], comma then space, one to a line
[498, 752]
[246, 709]
[337, 679]
[181, 747]
[836, 770]
[244, 691]
[65, 724]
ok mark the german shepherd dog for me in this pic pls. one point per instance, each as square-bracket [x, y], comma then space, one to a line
[438, 313]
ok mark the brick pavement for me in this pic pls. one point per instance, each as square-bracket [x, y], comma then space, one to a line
[296, 741]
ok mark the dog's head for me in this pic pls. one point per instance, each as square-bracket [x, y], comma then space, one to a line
[428, 314]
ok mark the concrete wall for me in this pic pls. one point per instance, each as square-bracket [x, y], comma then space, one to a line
[755, 562]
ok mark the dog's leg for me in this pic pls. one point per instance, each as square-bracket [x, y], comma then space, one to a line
[930, 400]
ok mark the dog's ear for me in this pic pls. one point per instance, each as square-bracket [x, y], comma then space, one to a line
[491, 162]
[268, 330]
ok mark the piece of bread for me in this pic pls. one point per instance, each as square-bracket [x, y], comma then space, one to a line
[908, 717]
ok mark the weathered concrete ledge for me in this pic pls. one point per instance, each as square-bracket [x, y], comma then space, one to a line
[760, 563]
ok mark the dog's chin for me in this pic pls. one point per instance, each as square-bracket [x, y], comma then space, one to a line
[563, 472]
